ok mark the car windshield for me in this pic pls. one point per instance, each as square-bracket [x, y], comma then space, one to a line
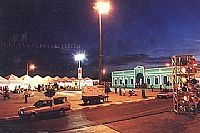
[43, 103]
[38, 103]
[167, 90]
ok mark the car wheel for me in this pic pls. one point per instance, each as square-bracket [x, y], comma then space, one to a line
[85, 102]
[61, 112]
[33, 116]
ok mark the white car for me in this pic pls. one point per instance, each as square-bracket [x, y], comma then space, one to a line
[166, 93]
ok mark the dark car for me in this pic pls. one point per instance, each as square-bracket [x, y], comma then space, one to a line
[165, 93]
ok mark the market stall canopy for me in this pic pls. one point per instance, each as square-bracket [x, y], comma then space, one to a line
[48, 80]
[87, 78]
[72, 78]
[57, 79]
[26, 79]
[37, 80]
[3, 80]
[13, 79]
[64, 79]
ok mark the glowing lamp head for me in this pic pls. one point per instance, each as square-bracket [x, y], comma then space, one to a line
[183, 70]
[104, 71]
[102, 7]
[79, 57]
[167, 64]
[32, 66]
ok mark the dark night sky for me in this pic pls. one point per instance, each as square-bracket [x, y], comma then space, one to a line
[135, 32]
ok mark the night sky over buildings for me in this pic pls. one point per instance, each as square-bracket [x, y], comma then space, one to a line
[135, 32]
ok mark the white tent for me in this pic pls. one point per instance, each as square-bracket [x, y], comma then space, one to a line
[3, 81]
[48, 80]
[13, 81]
[37, 80]
[26, 79]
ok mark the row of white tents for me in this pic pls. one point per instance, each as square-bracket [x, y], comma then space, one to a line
[12, 81]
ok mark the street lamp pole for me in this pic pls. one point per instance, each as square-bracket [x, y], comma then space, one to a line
[103, 8]
[78, 58]
[27, 67]
[100, 49]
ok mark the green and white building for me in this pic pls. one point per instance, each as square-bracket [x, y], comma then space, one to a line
[140, 75]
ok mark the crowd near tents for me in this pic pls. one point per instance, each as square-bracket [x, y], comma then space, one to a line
[13, 81]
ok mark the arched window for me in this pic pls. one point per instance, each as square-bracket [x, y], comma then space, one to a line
[115, 81]
[126, 81]
[165, 80]
[132, 81]
[148, 81]
[120, 82]
[156, 79]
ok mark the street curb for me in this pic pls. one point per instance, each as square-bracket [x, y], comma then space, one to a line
[10, 118]
[92, 107]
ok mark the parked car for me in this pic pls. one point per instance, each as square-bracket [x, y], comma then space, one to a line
[165, 93]
[45, 107]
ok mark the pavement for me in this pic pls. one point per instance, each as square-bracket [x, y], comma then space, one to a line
[9, 107]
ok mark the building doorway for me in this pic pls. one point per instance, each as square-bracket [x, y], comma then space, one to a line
[139, 80]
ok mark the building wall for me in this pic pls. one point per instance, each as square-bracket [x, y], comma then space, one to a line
[139, 75]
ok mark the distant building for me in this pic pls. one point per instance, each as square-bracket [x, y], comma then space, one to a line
[140, 76]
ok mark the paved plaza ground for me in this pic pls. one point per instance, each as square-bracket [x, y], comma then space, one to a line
[9, 108]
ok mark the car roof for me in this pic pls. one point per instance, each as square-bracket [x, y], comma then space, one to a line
[54, 97]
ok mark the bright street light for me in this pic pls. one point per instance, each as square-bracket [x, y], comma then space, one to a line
[102, 8]
[30, 67]
[79, 57]
[167, 64]
[104, 71]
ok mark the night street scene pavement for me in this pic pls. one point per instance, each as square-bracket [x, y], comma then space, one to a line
[105, 66]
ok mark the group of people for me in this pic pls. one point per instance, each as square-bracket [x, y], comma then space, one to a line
[5, 92]
[122, 92]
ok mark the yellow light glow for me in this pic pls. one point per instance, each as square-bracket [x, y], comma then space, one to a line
[167, 64]
[183, 70]
[104, 71]
[32, 66]
[102, 7]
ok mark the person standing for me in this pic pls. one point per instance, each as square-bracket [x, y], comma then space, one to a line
[124, 92]
[143, 93]
[120, 91]
[26, 95]
[161, 87]
[115, 90]
[6, 93]
[152, 87]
